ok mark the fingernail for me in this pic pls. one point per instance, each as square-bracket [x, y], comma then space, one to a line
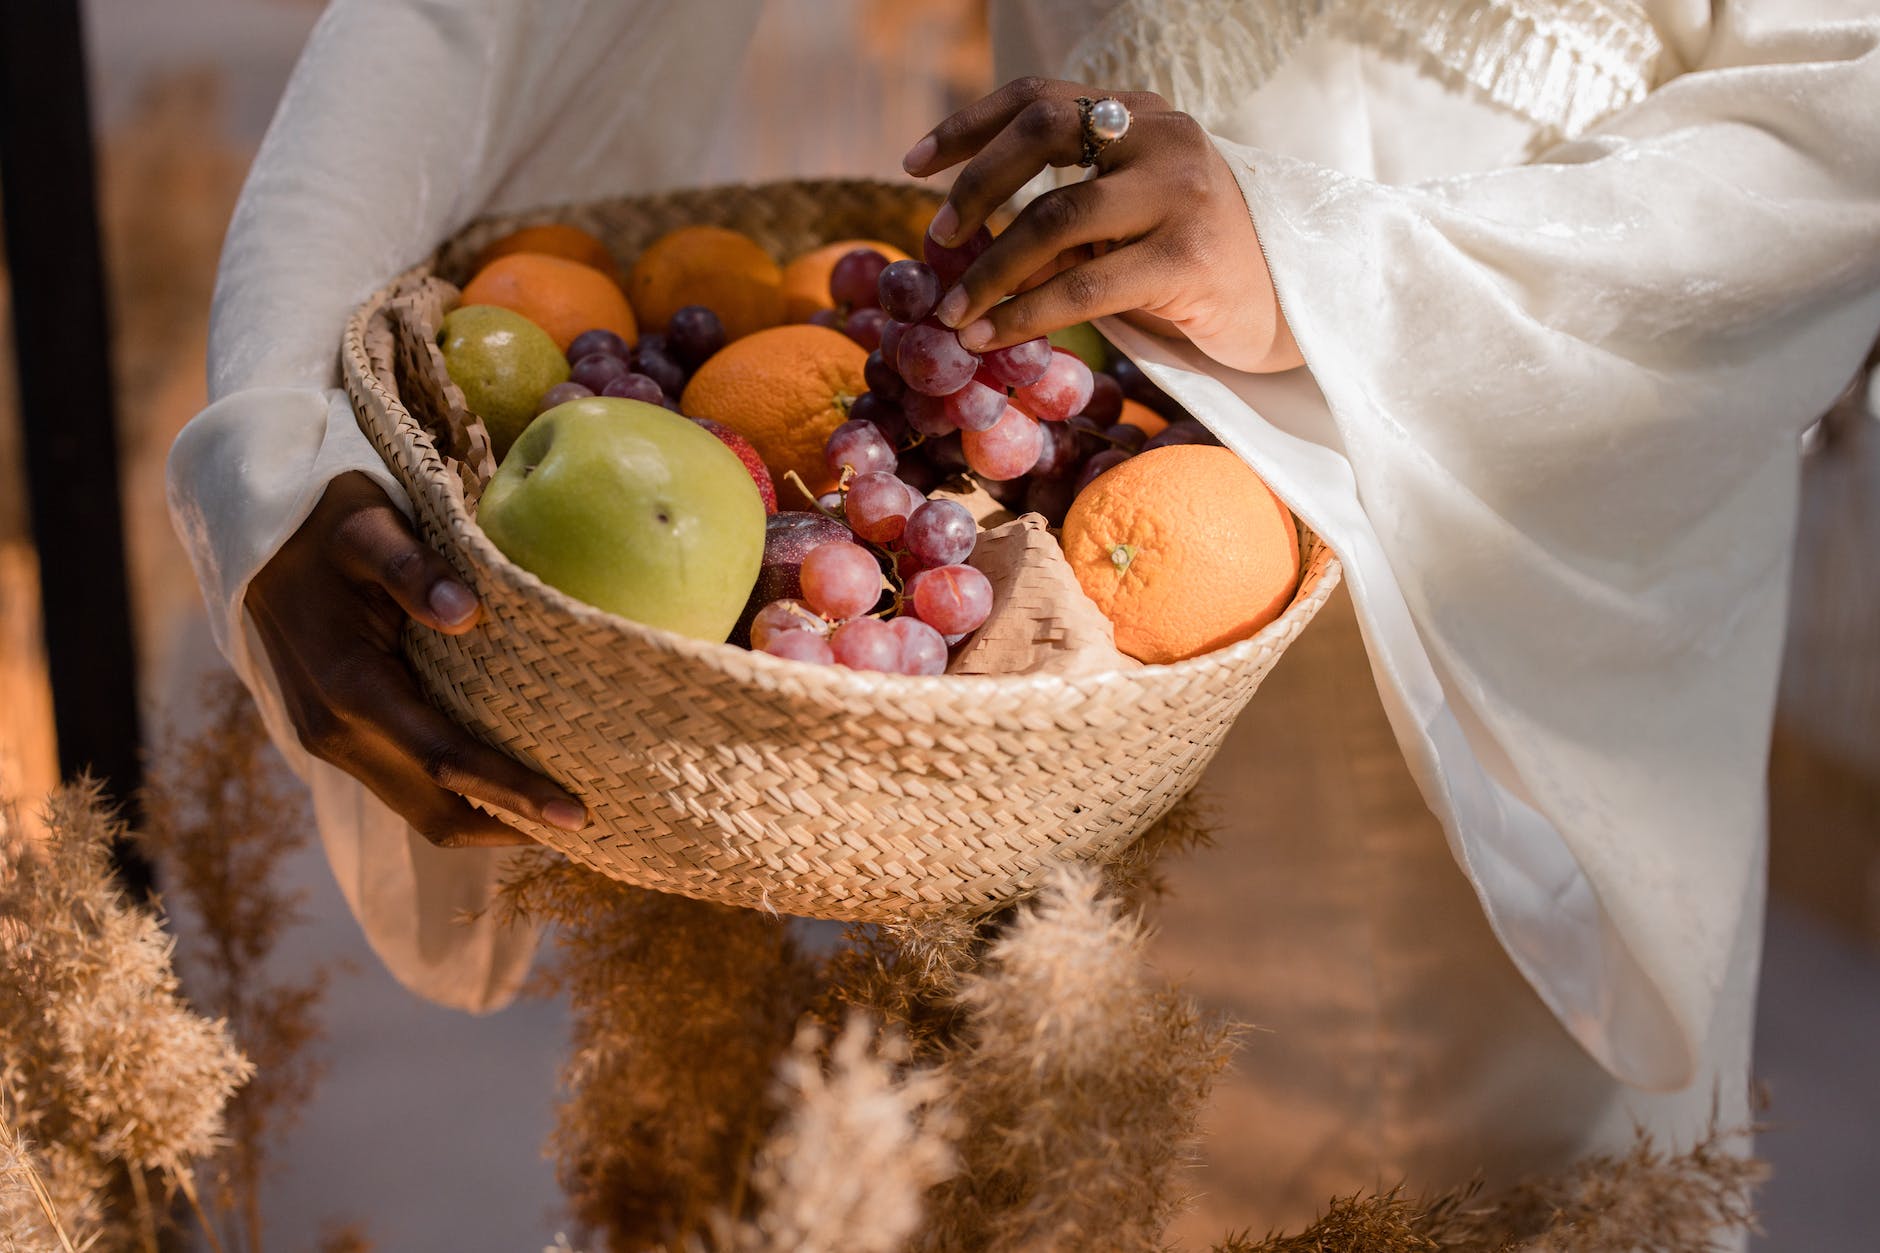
[919, 155]
[952, 306]
[564, 814]
[945, 223]
[452, 602]
[979, 333]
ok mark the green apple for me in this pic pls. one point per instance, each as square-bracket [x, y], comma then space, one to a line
[633, 509]
[1083, 340]
[503, 362]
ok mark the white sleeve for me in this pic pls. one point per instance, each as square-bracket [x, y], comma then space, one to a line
[403, 120]
[1568, 398]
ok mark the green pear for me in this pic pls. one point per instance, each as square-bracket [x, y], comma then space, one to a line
[633, 509]
[1084, 340]
[503, 362]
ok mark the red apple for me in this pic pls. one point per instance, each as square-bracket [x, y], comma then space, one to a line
[748, 455]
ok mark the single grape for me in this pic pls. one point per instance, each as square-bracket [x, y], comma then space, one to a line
[1137, 386]
[1187, 431]
[1006, 449]
[633, 386]
[866, 644]
[1051, 497]
[883, 415]
[801, 646]
[858, 445]
[826, 317]
[946, 453]
[652, 361]
[908, 290]
[1057, 451]
[950, 262]
[830, 503]
[891, 332]
[1008, 492]
[940, 533]
[927, 414]
[1126, 435]
[1106, 399]
[923, 649]
[864, 327]
[1021, 364]
[882, 379]
[693, 334]
[780, 616]
[932, 361]
[915, 497]
[596, 370]
[1095, 467]
[916, 471]
[909, 584]
[841, 579]
[587, 343]
[954, 599]
[1061, 391]
[561, 394]
[876, 507]
[852, 282]
[1090, 439]
[976, 407]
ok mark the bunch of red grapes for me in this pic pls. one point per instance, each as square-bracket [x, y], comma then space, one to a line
[1032, 423]
[656, 369]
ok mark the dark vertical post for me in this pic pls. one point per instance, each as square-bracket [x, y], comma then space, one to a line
[61, 337]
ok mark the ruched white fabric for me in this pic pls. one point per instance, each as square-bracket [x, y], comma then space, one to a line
[1549, 419]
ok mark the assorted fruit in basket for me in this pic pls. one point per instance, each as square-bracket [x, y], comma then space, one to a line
[801, 459]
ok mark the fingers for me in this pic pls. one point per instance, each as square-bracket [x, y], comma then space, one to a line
[1057, 226]
[431, 752]
[376, 545]
[1045, 132]
[967, 131]
[1125, 279]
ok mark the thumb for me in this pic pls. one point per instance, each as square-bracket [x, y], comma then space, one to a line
[380, 547]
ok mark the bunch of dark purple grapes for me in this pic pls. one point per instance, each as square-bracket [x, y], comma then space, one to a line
[656, 369]
[1032, 423]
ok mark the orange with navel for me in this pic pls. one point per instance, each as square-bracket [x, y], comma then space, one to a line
[562, 297]
[1184, 549]
[727, 272]
[786, 389]
[806, 279]
[554, 239]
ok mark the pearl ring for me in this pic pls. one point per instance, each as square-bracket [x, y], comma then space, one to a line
[1104, 121]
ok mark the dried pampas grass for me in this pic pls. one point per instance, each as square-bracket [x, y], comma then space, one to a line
[1078, 1082]
[681, 1011]
[860, 1142]
[104, 1063]
[222, 818]
[1690, 1202]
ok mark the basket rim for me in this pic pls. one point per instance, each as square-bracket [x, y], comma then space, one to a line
[1320, 573]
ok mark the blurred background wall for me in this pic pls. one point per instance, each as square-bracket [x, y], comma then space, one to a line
[182, 91]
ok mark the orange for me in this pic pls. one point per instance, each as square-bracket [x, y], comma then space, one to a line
[562, 297]
[1143, 418]
[726, 272]
[554, 239]
[785, 389]
[1184, 549]
[806, 279]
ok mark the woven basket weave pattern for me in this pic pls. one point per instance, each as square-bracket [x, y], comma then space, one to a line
[737, 777]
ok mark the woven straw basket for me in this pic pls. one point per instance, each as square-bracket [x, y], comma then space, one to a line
[737, 777]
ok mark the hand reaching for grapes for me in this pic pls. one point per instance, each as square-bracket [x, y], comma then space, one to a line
[1163, 234]
[329, 608]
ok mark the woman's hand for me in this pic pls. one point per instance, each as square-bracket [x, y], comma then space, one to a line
[1163, 231]
[329, 608]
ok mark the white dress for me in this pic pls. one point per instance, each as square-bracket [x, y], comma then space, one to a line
[1570, 277]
